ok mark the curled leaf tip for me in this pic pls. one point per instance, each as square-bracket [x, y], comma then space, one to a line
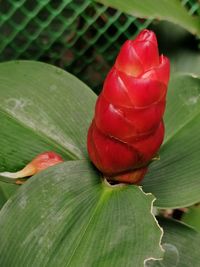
[128, 130]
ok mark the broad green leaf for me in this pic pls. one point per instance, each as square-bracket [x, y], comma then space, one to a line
[46, 104]
[192, 217]
[181, 244]
[158, 9]
[174, 179]
[66, 216]
[42, 108]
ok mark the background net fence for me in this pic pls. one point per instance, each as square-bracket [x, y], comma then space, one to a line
[80, 36]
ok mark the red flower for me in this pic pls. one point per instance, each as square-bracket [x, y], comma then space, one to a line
[128, 129]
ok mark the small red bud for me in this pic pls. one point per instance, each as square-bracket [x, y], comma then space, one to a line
[42, 161]
[39, 163]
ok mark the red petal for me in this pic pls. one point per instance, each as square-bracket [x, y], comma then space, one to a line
[150, 145]
[131, 177]
[160, 73]
[145, 120]
[45, 160]
[128, 60]
[111, 120]
[146, 47]
[115, 90]
[147, 35]
[127, 123]
[143, 92]
[112, 156]
[94, 156]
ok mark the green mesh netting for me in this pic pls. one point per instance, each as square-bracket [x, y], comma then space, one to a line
[80, 35]
[193, 6]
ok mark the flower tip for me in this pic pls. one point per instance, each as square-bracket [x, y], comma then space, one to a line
[128, 61]
[147, 35]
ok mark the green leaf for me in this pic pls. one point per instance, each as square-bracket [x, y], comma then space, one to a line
[192, 217]
[181, 245]
[172, 11]
[66, 216]
[174, 179]
[42, 108]
[6, 190]
[43, 102]
[3, 198]
[182, 56]
[171, 257]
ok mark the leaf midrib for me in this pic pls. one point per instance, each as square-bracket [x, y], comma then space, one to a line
[101, 200]
[41, 135]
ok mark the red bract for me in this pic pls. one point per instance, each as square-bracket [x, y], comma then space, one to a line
[128, 129]
[39, 163]
[42, 162]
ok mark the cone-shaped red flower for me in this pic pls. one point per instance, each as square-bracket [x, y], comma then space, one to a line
[127, 129]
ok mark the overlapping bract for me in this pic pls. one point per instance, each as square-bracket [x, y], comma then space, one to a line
[127, 129]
